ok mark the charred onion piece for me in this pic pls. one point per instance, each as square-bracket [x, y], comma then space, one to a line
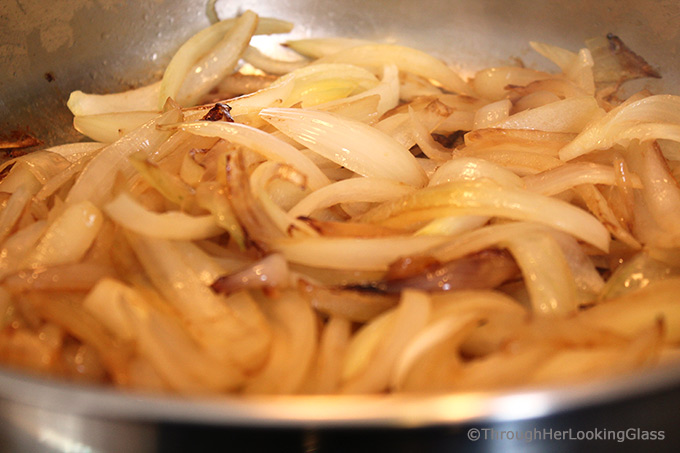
[269, 272]
[616, 63]
[16, 141]
[450, 141]
[358, 305]
[483, 270]
[629, 60]
[220, 112]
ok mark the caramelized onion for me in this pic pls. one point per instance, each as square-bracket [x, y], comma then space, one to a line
[270, 272]
[353, 303]
[487, 269]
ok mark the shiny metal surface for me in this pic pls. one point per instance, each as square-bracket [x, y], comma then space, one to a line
[106, 45]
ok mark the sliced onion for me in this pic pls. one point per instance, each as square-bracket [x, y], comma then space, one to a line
[425, 142]
[351, 144]
[492, 113]
[413, 87]
[452, 226]
[259, 226]
[68, 237]
[484, 238]
[213, 197]
[600, 208]
[320, 47]
[96, 181]
[347, 303]
[387, 90]
[560, 88]
[61, 179]
[650, 118]
[160, 340]
[406, 58]
[487, 269]
[537, 141]
[568, 115]
[546, 273]
[127, 212]
[660, 191]
[262, 143]
[557, 180]
[293, 347]
[470, 169]
[64, 310]
[575, 66]
[535, 100]
[520, 162]
[614, 62]
[109, 127]
[15, 249]
[224, 329]
[352, 253]
[261, 177]
[13, 210]
[140, 99]
[217, 62]
[42, 165]
[74, 152]
[489, 198]
[331, 353]
[331, 228]
[239, 84]
[636, 273]
[581, 71]
[269, 272]
[321, 83]
[206, 266]
[563, 58]
[430, 359]
[409, 318]
[199, 45]
[633, 312]
[350, 190]
[255, 57]
[166, 183]
[493, 83]
[359, 108]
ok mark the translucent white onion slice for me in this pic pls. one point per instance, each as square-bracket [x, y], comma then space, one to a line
[387, 90]
[198, 45]
[125, 211]
[217, 63]
[546, 273]
[261, 61]
[354, 145]
[69, 236]
[650, 118]
[141, 99]
[406, 58]
[486, 197]
[350, 190]
[471, 168]
[559, 179]
[353, 254]
[109, 127]
[568, 115]
[320, 47]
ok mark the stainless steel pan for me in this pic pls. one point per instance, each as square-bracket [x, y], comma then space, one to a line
[49, 49]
